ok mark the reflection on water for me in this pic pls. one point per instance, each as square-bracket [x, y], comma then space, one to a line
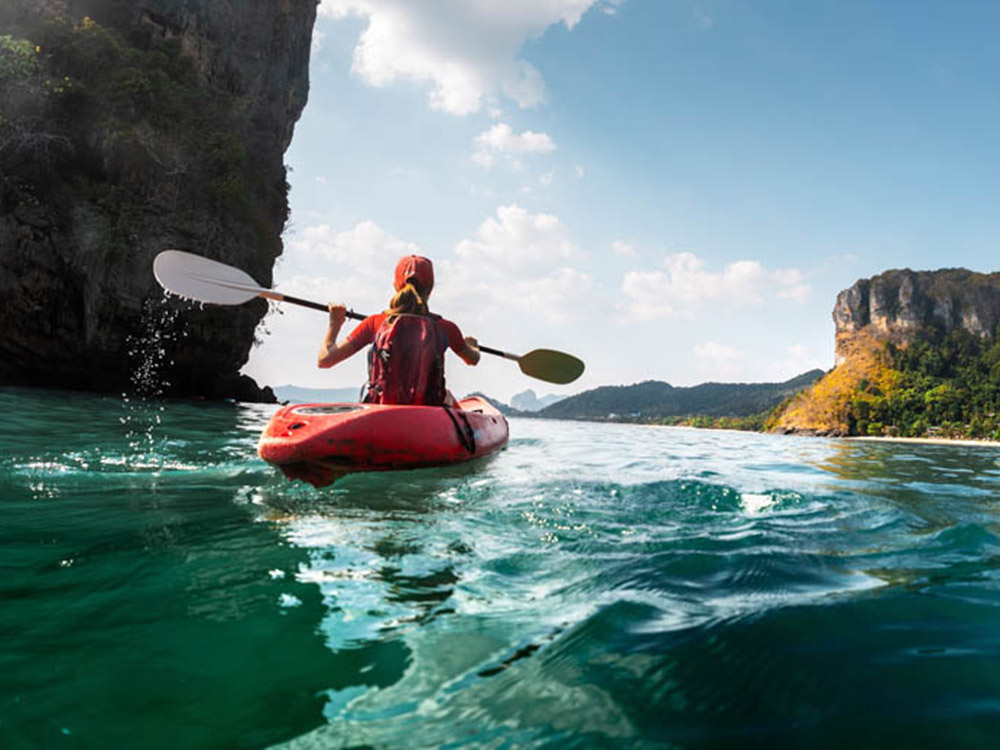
[591, 586]
[960, 468]
[579, 609]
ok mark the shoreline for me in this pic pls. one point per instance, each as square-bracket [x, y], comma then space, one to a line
[973, 442]
[968, 442]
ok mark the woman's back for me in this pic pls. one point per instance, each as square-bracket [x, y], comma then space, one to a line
[406, 362]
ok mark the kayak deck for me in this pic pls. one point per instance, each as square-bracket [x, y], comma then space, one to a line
[320, 442]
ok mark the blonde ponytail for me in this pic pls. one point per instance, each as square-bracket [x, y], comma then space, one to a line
[407, 301]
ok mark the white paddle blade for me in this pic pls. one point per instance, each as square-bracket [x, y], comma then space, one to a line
[203, 279]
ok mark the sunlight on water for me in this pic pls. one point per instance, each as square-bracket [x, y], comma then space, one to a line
[591, 585]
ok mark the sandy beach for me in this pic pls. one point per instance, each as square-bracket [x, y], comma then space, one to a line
[929, 441]
[867, 438]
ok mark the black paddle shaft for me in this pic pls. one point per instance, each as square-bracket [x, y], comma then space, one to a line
[497, 352]
[358, 316]
[190, 275]
[317, 306]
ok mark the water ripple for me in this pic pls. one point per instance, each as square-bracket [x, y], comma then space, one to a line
[590, 586]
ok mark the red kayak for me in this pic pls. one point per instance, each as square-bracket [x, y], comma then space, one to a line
[320, 442]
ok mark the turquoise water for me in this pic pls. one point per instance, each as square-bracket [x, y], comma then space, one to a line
[591, 586]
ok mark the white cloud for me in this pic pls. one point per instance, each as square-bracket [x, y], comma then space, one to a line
[317, 42]
[686, 285]
[579, 171]
[622, 248]
[481, 191]
[519, 260]
[717, 359]
[546, 179]
[516, 239]
[353, 265]
[501, 141]
[559, 295]
[714, 352]
[467, 51]
[795, 292]
[364, 246]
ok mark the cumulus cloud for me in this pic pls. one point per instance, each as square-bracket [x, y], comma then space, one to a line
[622, 248]
[717, 359]
[522, 260]
[686, 285]
[353, 265]
[317, 42]
[559, 295]
[517, 239]
[467, 51]
[714, 352]
[365, 246]
[519, 262]
[500, 141]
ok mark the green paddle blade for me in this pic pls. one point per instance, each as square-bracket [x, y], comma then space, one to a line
[551, 366]
[203, 279]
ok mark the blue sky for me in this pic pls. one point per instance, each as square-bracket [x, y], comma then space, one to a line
[673, 190]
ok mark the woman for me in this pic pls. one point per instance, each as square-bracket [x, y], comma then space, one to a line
[406, 364]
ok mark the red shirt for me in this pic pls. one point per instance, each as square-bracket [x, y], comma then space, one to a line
[365, 332]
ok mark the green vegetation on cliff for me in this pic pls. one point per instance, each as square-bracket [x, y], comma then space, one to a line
[123, 117]
[940, 384]
[17, 58]
[127, 128]
[936, 383]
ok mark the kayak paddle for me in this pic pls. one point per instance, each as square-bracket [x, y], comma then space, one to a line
[205, 280]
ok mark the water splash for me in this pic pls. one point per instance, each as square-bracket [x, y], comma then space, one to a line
[150, 353]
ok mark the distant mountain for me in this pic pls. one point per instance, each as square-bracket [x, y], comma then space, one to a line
[643, 401]
[298, 395]
[529, 401]
[655, 399]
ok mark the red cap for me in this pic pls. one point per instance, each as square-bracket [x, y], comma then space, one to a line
[415, 268]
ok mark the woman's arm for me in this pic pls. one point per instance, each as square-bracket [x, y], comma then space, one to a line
[471, 354]
[330, 353]
[467, 348]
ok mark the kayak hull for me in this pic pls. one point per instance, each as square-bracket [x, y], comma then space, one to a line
[320, 442]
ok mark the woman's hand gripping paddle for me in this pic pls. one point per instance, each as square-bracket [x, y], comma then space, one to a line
[205, 280]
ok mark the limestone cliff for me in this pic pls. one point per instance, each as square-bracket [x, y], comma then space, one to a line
[128, 127]
[895, 305]
[875, 318]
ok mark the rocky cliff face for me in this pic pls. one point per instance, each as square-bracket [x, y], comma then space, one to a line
[896, 307]
[898, 304]
[127, 128]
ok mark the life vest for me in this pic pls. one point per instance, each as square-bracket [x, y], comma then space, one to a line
[406, 362]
